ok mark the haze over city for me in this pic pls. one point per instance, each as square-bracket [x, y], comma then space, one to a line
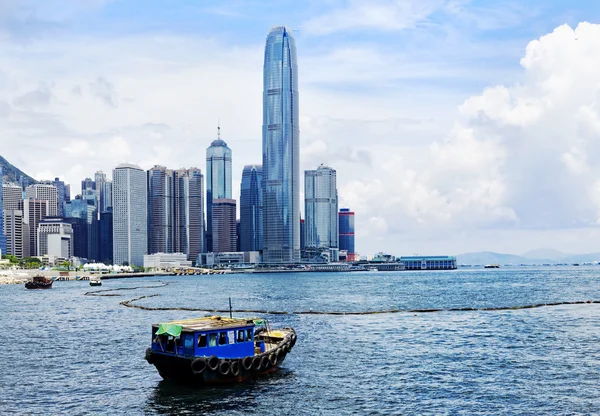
[453, 125]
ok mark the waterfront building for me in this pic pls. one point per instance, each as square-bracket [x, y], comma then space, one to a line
[44, 192]
[2, 235]
[224, 225]
[13, 231]
[281, 149]
[86, 210]
[99, 180]
[249, 258]
[105, 246]
[321, 211]
[428, 262]
[346, 228]
[54, 238]
[12, 196]
[34, 210]
[166, 261]
[62, 198]
[189, 212]
[161, 214]
[80, 236]
[251, 209]
[130, 215]
[218, 180]
[106, 196]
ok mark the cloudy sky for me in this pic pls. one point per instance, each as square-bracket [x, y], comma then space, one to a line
[454, 125]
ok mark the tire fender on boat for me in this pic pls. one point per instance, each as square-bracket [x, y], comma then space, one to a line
[149, 357]
[247, 363]
[273, 359]
[264, 362]
[256, 362]
[213, 362]
[224, 368]
[293, 342]
[199, 365]
[235, 368]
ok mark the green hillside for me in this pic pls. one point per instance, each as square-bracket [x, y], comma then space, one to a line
[11, 173]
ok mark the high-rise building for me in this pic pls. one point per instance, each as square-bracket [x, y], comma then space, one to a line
[281, 149]
[321, 210]
[189, 212]
[251, 209]
[12, 196]
[80, 235]
[44, 192]
[161, 232]
[2, 235]
[347, 233]
[86, 210]
[218, 180]
[55, 238]
[106, 196]
[105, 248]
[13, 231]
[99, 179]
[34, 210]
[87, 183]
[62, 198]
[130, 215]
[224, 225]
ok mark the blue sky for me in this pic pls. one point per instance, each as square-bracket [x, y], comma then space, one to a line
[441, 116]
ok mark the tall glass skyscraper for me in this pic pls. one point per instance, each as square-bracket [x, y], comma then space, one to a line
[251, 209]
[2, 235]
[218, 180]
[161, 231]
[281, 149]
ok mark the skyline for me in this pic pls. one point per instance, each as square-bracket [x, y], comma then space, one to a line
[508, 168]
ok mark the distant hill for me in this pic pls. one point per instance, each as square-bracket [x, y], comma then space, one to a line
[550, 256]
[11, 173]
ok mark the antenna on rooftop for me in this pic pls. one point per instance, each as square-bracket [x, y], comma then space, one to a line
[219, 129]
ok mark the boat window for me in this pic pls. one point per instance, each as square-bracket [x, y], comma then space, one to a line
[249, 334]
[188, 341]
[212, 340]
[201, 340]
[222, 338]
[240, 336]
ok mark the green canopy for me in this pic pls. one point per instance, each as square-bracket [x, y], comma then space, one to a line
[259, 322]
[169, 329]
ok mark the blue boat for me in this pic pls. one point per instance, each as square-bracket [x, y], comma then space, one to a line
[216, 349]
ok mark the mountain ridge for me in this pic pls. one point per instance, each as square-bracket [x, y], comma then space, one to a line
[489, 257]
[11, 173]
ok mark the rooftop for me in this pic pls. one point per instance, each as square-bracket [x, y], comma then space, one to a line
[210, 323]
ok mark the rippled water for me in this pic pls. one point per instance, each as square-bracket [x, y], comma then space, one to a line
[63, 352]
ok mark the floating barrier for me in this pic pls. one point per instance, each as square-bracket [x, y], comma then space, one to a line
[98, 292]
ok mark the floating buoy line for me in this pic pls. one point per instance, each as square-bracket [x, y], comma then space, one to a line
[101, 292]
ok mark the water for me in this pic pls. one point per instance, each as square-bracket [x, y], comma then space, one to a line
[63, 352]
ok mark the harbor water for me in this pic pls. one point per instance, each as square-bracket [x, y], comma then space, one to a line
[67, 353]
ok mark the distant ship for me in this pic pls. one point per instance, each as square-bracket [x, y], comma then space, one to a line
[492, 266]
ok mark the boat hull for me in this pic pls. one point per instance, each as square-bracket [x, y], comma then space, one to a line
[38, 285]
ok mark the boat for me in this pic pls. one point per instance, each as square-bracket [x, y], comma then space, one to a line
[39, 282]
[215, 350]
[491, 266]
[95, 281]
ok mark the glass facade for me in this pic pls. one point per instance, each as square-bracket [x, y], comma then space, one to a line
[218, 180]
[189, 212]
[280, 144]
[347, 232]
[2, 235]
[160, 210]
[106, 237]
[321, 210]
[251, 209]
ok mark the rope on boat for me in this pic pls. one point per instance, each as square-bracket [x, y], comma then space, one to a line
[97, 292]
[130, 304]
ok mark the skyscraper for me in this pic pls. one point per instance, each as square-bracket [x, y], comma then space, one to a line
[34, 210]
[321, 210]
[106, 196]
[12, 196]
[281, 149]
[130, 215]
[13, 231]
[99, 179]
[44, 192]
[218, 180]
[61, 196]
[189, 212]
[85, 231]
[224, 225]
[347, 233]
[105, 247]
[2, 235]
[160, 210]
[251, 209]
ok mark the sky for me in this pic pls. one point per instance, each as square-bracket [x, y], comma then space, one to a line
[454, 125]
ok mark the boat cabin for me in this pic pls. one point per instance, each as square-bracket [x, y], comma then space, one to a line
[203, 337]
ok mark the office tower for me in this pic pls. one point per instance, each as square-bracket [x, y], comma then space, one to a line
[99, 179]
[105, 248]
[13, 231]
[224, 225]
[302, 235]
[160, 210]
[2, 235]
[62, 198]
[44, 192]
[251, 209]
[347, 233]
[34, 210]
[281, 149]
[130, 219]
[218, 180]
[86, 210]
[12, 196]
[55, 238]
[106, 196]
[67, 193]
[321, 210]
[189, 212]
[87, 183]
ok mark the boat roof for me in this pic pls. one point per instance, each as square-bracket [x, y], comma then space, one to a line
[210, 323]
